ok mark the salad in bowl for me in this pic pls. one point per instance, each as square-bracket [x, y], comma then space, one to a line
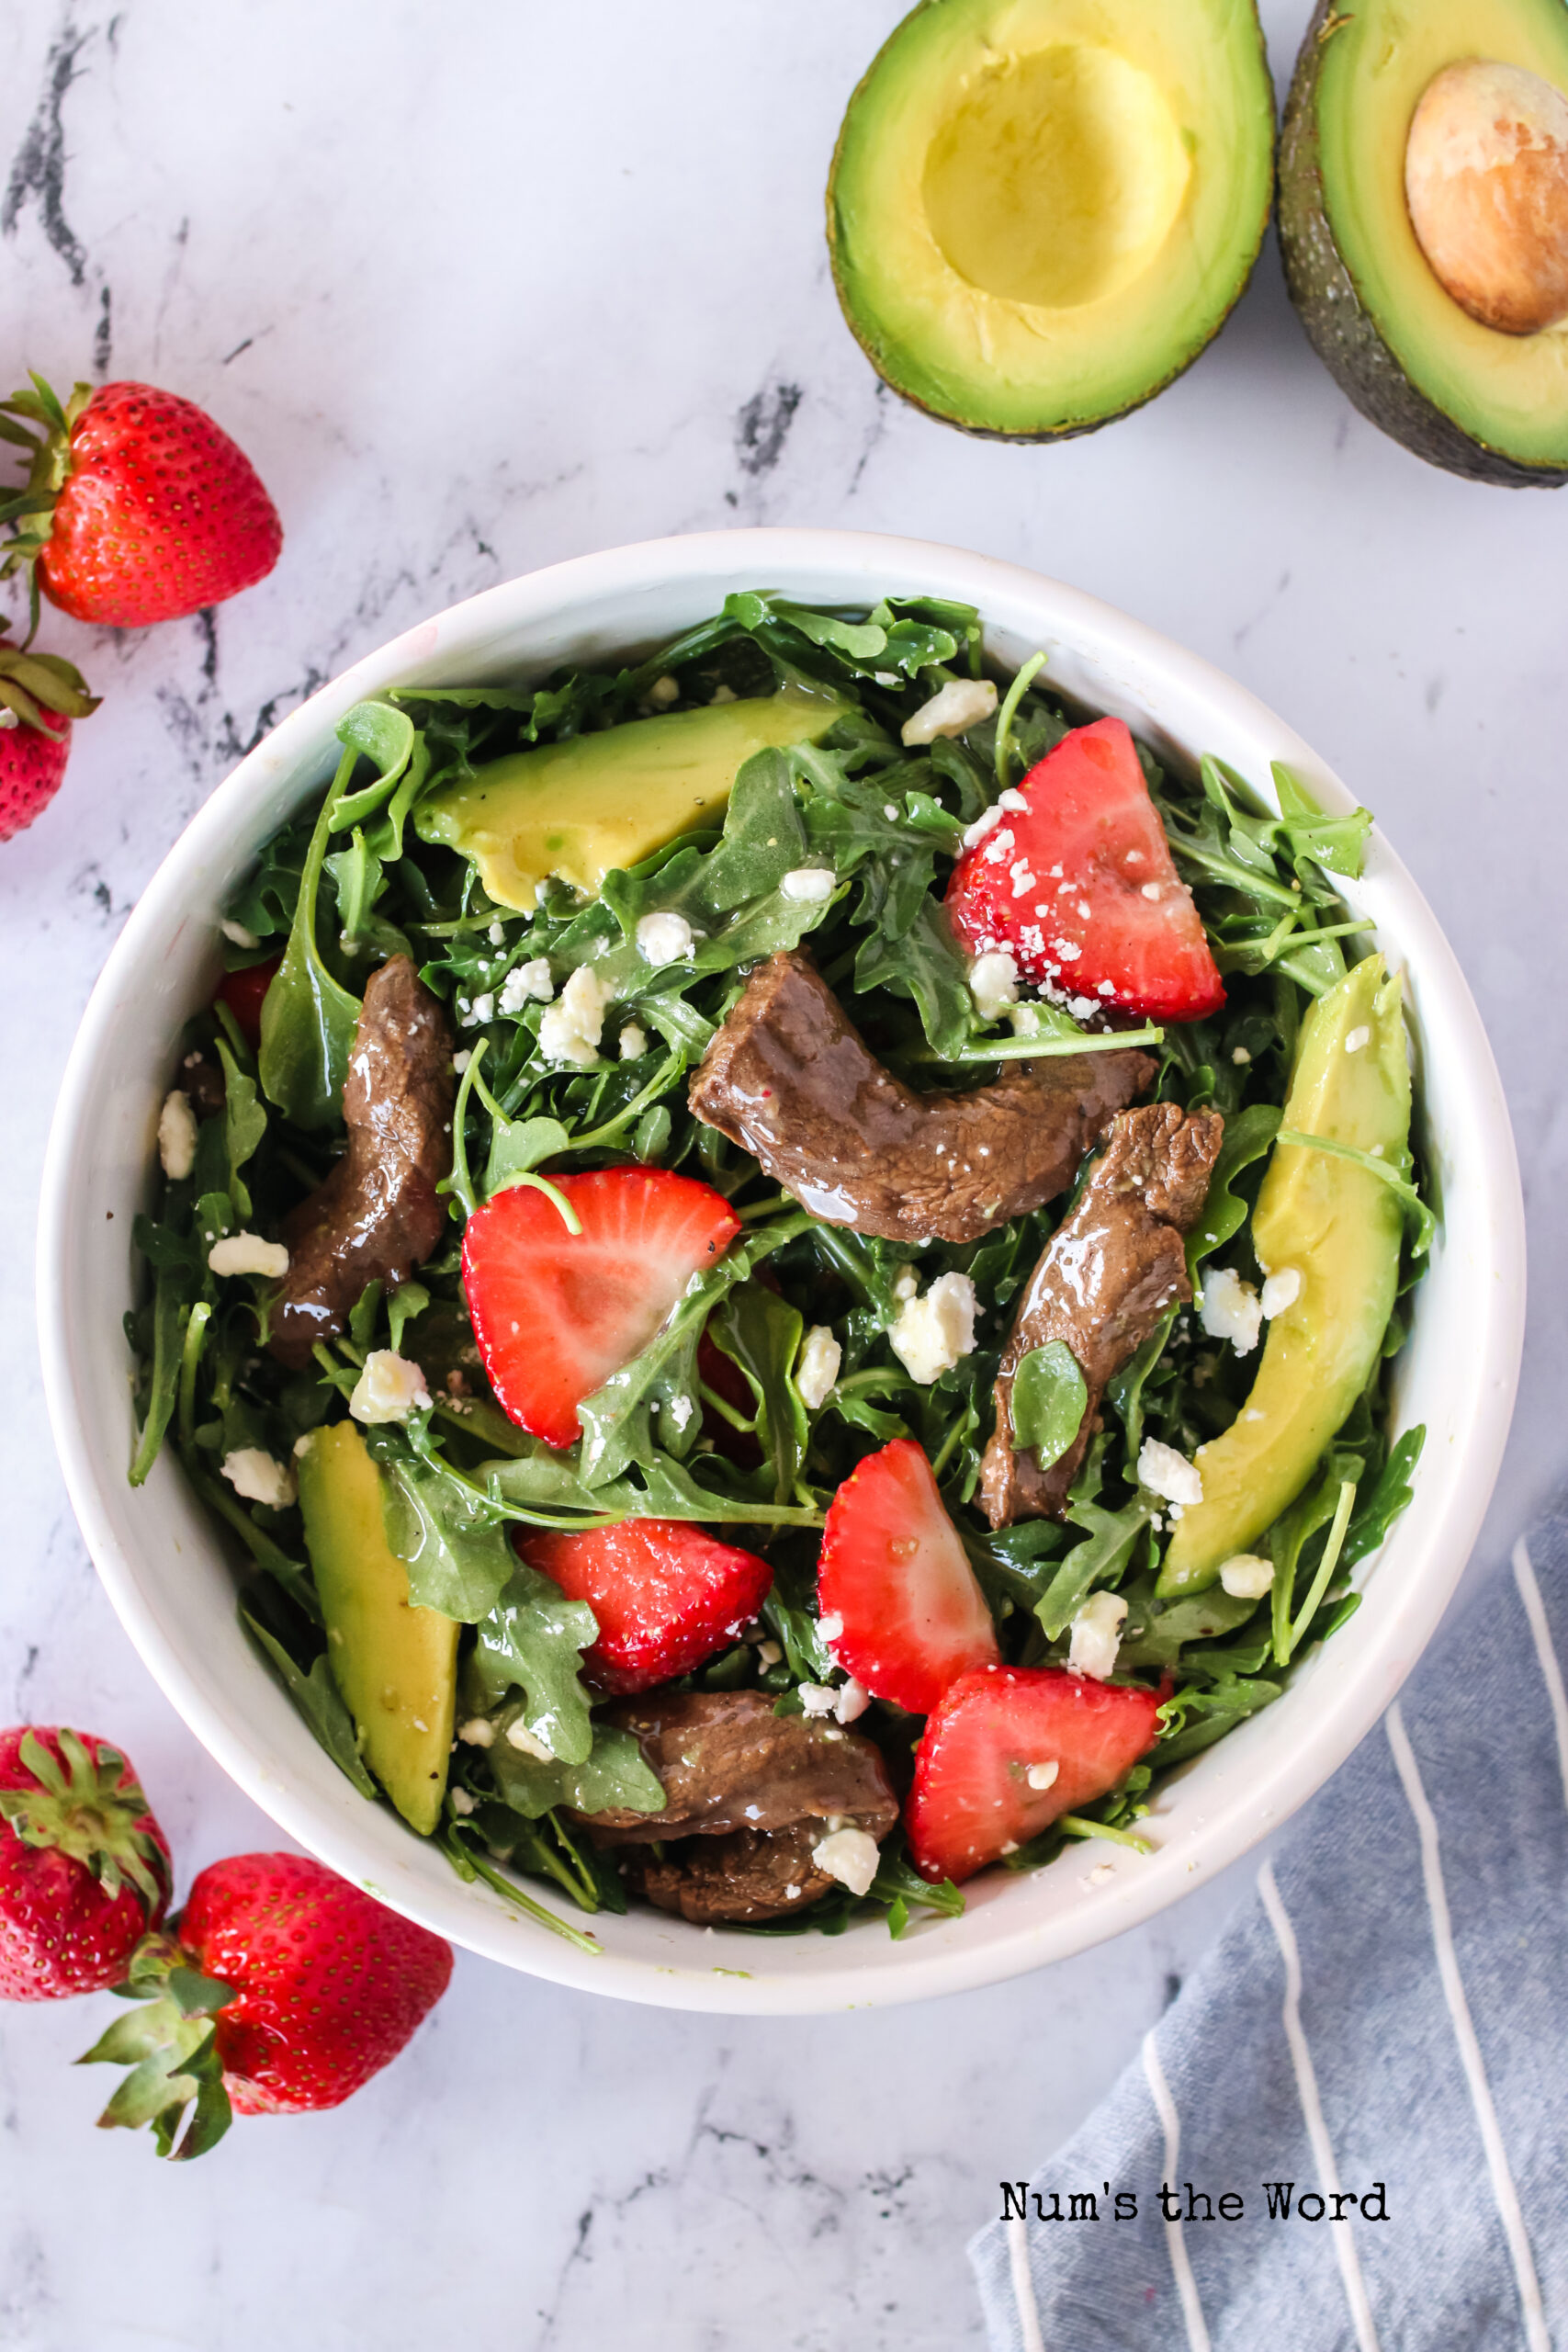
[785, 1258]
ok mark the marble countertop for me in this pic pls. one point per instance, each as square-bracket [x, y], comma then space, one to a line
[479, 288]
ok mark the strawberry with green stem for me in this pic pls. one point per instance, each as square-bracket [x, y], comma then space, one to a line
[84, 1865]
[41, 693]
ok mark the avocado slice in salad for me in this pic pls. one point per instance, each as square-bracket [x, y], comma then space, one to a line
[395, 1664]
[1465, 395]
[1041, 212]
[1338, 1227]
[581, 807]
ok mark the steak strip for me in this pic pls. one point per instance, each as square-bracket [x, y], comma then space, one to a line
[791, 1080]
[379, 1215]
[1111, 1271]
[748, 1796]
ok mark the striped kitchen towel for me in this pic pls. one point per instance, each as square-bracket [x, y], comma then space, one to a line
[1358, 2105]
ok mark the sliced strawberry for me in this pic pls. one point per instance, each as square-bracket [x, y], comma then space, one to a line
[243, 993]
[1080, 886]
[894, 1574]
[666, 1595]
[555, 1313]
[972, 1800]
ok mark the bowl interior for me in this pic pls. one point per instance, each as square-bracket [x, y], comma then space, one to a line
[165, 1568]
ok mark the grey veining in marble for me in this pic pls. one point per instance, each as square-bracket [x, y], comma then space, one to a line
[480, 286]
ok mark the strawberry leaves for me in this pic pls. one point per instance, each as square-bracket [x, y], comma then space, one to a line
[89, 1809]
[169, 2045]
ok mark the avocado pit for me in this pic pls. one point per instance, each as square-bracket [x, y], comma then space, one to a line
[1486, 182]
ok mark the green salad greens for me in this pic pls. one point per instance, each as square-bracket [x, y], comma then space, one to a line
[352, 881]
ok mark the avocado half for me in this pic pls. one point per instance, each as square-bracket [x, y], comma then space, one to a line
[1042, 211]
[1488, 405]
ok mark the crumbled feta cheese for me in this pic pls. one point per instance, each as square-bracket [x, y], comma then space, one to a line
[528, 984]
[1151, 890]
[890, 810]
[818, 1368]
[962, 703]
[665, 938]
[818, 1699]
[479, 1732]
[932, 1333]
[247, 1253]
[1168, 1474]
[519, 1736]
[1020, 873]
[571, 1027]
[389, 1390]
[1096, 1635]
[1357, 1039]
[848, 1855]
[1240, 1056]
[461, 1802]
[998, 846]
[634, 1042]
[993, 983]
[1025, 1020]
[460, 1062]
[1280, 1291]
[808, 886]
[497, 933]
[236, 933]
[176, 1135]
[1101, 1874]
[769, 1654]
[722, 693]
[479, 1010]
[1231, 1310]
[829, 1627]
[852, 1700]
[664, 691]
[1044, 1776]
[907, 1284]
[260, 1478]
[1246, 1575]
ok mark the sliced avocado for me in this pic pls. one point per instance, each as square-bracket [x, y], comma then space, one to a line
[1041, 211]
[1338, 1227]
[579, 809]
[395, 1664]
[1484, 403]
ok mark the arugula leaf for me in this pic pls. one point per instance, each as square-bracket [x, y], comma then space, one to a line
[1049, 1401]
[1248, 1136]
[533, 1640]
[1369, 1525]
[316, 1696]
[762, 1333]
[613, 1777]
[308, 1021]
[1107, 1547]
[384, 735]
[926, 965]
[446, 1533]
[244, 1124]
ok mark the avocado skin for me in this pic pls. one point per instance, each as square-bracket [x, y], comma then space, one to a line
[874, 350]
[1340, 329]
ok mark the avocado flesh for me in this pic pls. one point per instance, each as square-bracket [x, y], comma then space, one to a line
[1041, 211]
[1339, 1226]
[395, 1666]
[1482, 403]
[579, 808]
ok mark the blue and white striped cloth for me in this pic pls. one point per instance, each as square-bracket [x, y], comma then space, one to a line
[1392, 2008]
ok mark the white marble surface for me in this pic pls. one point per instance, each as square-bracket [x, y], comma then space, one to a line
[480, 286]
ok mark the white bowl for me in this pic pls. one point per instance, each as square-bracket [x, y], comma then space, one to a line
[167, 1570]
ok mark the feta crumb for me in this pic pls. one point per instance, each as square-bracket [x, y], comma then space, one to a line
[993, 982]
[247, 1253]
[890, 810]
[1151, 890]
[460, 1062]
[818, 1699]
[1020, 873]
[1096, 1635]
[1231, 1310]
[769, 1654]
[261, 1478]
[848, 1855]
[479, 1010]
[962, 703]
[1168, 1474]
[907, 1284]
[1240, 1056]
[236, 933]
[479, 1732]
[527, 1743]
[1101, 1874]
[932, 1333]
[829, 1627]
[664, 691]
[529, 983]
[722, 693]
[1044, 1776]
[1246, 1575]
[665, 938]
[808, 886]
[634, 1042]
[462, 1803]
[1025, 1020]
[571, 1027]
[852, 1700]
[176, 1135]
[389, 1390]
[818, 1368]
[1357, 1039]
[1280, 1291]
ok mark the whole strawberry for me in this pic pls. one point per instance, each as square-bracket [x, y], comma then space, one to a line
[280, 1987]
[137, 508]
[40, 695]
[84, 1866]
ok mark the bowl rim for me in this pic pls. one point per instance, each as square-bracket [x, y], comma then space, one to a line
[1365, 1679]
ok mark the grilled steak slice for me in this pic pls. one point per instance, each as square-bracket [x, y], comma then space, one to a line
[1108, 1275]
[748, 1794]
[377, 1215]
[791, 1079]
